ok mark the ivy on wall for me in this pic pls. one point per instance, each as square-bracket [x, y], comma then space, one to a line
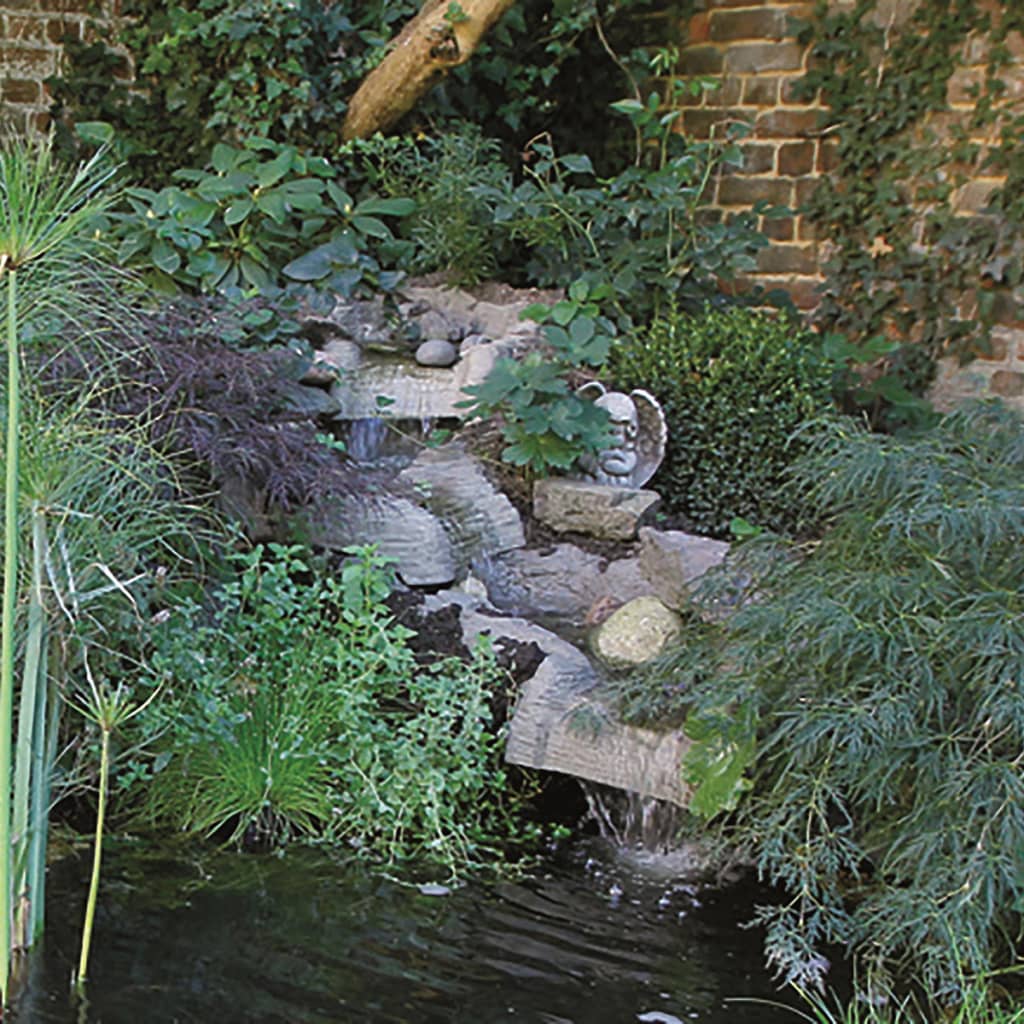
[907, 270]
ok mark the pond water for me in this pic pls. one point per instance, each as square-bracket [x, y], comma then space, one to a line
[220, 938]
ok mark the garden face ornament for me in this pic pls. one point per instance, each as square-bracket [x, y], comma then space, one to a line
[638, 432]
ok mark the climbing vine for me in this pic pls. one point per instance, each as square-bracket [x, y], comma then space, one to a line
[909, 272]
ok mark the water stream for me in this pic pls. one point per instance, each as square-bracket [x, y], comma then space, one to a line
[306, 938]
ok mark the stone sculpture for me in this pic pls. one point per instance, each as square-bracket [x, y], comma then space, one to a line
[639, 435]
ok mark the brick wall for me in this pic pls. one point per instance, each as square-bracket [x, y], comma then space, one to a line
[31, 34]
[750, 45]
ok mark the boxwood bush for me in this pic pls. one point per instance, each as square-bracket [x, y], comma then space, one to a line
[736, 385]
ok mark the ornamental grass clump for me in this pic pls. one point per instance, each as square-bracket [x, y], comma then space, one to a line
[863, 708]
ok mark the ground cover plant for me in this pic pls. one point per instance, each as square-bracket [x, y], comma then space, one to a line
[295, 707]
[859, 720]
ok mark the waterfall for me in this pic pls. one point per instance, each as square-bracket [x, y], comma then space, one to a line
[366, 439]
[630, 821]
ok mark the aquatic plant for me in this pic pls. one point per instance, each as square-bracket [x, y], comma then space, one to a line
[47, 267]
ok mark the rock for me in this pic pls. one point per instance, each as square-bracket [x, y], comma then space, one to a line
[561, 722]
[340, 354]
[436, 352]
[564, 581]
[672, 560]
[364, 321]
[598, 510]
[410, 535]
[481, 520]
[311, 403]
[435, 324]
[472, 341]
[636, 633]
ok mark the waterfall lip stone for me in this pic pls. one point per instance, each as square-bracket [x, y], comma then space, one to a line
[562, 723]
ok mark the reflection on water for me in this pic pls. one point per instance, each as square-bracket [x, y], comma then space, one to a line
[225, 938]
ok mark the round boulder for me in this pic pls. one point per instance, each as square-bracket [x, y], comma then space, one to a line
[436, 352]
[637, 632]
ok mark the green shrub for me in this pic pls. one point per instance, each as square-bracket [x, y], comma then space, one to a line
[882, 674]
[300, 709]
[735, 384]
[643, 230]
[255, 218]
[545, 423]
[211, 71]
[448, 176]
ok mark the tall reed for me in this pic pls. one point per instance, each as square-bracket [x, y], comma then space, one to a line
[47, 262]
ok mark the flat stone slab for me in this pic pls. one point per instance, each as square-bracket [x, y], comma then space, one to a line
[403, 531]
[561, 724]
[565, 581]
[672, 561]
[481, 520]
[598, 510]
[397, 387]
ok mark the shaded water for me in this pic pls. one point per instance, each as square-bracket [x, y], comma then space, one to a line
[262, 940]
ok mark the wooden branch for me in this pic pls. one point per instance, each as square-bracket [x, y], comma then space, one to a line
[424, 51]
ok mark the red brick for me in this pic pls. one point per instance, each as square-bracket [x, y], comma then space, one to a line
[26, 62]
[764, 23]
[787, 259]
[1007, 383]
[778, 229]
[802, 290]
[56, 31]
[792, 96]
[701, 121]
[806, 229]
[701, 60]
[804, 189]
[729, 92]
[698, 28]
[796, 158]
[26, 30]
[787, 124]
[20, 90]
[758, 158]
[784, 56]
[828, 155]
[742, 191]
[761, 92]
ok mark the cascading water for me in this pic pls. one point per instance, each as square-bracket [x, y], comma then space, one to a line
[365, 443]
[630, 821]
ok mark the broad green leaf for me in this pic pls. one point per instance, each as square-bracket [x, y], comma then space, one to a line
[223, 157]
[396, 207]
[271, 173]
[237, 212]
[312, 266]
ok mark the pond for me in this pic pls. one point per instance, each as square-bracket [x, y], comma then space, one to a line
[306, 938]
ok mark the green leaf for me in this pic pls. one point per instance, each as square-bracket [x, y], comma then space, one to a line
[165, 257]
[238, 211]
[223, 157]
[371, 226]
[396, 207]
[273, 205]
[577, 163]
[271, 173]
[313, 265]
